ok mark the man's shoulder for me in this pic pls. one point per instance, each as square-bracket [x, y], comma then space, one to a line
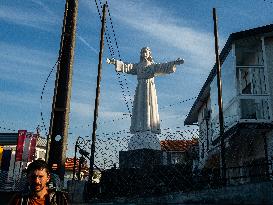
[54, 197]
[56, 192]
[59, 197]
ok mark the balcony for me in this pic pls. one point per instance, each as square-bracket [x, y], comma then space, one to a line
[250, 105]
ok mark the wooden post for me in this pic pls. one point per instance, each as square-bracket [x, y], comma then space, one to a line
[58, 130]
[220, 102]
[75, 158]
[92, 155]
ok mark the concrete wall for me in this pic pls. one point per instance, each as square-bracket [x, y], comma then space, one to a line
[258, 193]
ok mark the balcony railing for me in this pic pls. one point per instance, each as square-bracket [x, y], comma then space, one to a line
[254, 108]
[243, 109]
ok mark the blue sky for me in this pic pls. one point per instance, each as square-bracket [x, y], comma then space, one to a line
[29, 45]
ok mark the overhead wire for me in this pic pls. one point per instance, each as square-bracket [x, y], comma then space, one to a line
[4, 127]
[116, 43]
[112, 53]
[7, 129]
[43, 126]
[111, 49]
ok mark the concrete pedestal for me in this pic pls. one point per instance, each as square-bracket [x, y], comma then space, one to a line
[76, 190]
[144, 140]
[140, 158]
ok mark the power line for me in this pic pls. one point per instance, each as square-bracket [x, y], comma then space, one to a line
[171, 105]
[112, 53]
[42, 93]
[116, 43]
[7, 129]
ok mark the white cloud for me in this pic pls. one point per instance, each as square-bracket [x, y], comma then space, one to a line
[30, 65]
[81, 109]
[85, 110]
[45, 8]
[87, 44]
[28, 17]
[109, 115]
[24, 55]
[90, 5]
[195, 45]
[19, 99]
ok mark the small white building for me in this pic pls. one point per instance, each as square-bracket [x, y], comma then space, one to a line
[247, 93]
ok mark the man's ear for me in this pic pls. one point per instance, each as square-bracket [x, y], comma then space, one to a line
[48, 177]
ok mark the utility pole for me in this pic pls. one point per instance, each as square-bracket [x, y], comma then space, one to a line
[220, 102]
[59, 122]
[92, 156]
[75, 158]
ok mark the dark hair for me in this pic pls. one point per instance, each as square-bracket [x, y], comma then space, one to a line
[37, 165]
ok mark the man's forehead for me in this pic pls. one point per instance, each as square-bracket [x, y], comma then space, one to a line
[38, 171]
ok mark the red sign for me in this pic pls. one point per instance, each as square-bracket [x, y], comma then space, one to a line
[32, 147]
[20, 144]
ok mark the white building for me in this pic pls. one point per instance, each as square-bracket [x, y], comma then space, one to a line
[247, 93]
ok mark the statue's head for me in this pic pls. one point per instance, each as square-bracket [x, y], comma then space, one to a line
[146, 54]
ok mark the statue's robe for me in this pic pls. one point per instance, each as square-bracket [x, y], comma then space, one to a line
[145, 116]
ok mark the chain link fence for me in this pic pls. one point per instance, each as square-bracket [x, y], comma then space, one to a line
[181, 167]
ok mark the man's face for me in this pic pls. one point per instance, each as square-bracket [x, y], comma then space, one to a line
[38, 180]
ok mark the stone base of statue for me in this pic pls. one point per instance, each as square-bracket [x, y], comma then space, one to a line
[140, 158]
[144, 140]
[144, 151]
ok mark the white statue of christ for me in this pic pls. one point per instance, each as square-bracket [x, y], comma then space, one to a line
[145, 123]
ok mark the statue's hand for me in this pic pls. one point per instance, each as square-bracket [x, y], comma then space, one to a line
[179, 61]
[111, 61]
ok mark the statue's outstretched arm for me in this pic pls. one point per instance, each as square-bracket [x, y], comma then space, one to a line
[167, 68]
[111, 61]
[121, 66]
[178, 61]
